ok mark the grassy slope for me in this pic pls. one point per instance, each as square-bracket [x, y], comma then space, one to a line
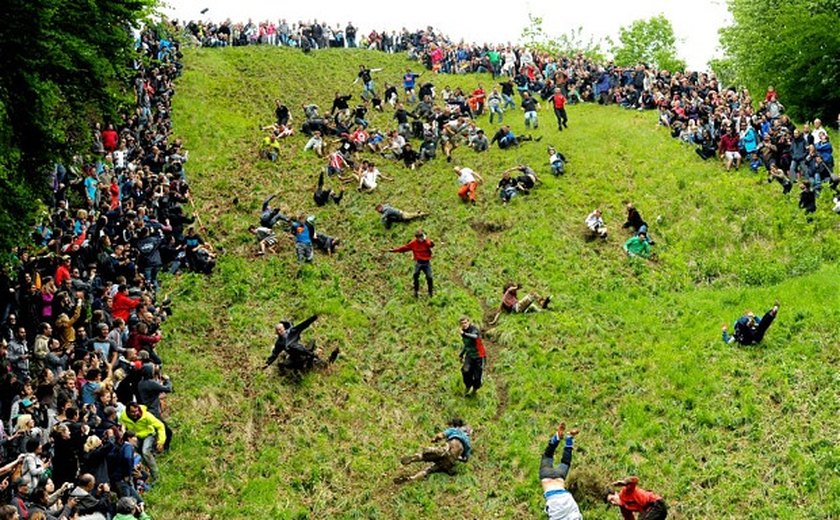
[632, 354]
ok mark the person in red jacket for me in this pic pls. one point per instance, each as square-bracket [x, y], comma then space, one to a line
[632, 499]
[559, 102]
[123, 305]
[110, 138]
[421, 248]
[62, 272]
[730, 144]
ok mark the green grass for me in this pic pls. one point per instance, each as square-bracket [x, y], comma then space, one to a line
[632, 353]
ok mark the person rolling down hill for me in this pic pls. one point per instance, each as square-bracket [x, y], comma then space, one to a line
[557, 161]
[511, 303]
[636, 223]
[749, 328]
[391, 215]
[323, 196]
[421, 248]
[443, 458]
[270, 216]
[632, 499]
[559, 502]
[297, 356]
[638, 245]
[467, 179]
[596, 224]
[473, 356]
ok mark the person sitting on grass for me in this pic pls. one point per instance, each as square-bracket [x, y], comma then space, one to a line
[507, 187]
[270, 148]
[636, 223]
[369, 176]
[458, 448]
[596, 225]
[316, 143]
[557, 161]
[638, 245]
[750, 329]
[559, 502]
[633, 499]
[512, 303]
[391, 215]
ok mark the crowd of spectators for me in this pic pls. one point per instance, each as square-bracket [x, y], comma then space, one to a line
[82, 396]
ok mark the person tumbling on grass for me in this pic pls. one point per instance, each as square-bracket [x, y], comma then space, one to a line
[512, 303]
[421, 248]
[391, 215]
[749, 328]
[632, 499]
[473, 356]
[467, 180]
[559, 502]
[443, 458]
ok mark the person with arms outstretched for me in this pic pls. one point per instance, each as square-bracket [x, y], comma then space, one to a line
[421, 248]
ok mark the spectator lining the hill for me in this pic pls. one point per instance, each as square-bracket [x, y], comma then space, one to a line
[750, 329]
[458, 448]
[559, 502]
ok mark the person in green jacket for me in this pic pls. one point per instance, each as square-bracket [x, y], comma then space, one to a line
[638, 246]
[151, 433]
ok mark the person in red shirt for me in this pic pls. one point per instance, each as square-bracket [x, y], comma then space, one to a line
[62, 273]
[476, 100]
[110, 139]
[559, 101]
[632, 499]
[730, 144]
[421, 248]
[123, 305]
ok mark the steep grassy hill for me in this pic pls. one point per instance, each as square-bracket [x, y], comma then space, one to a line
[631, 353]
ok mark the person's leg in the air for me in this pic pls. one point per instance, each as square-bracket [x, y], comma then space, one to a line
[765, 323]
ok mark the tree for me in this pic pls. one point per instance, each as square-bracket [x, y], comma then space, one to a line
[571, 43]
[648, 41]
[793, 45]
[63, 64]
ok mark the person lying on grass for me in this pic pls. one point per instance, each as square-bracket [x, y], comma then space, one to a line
[458, 448]
[632, 499]
[559, 502]
[749, 328]
[391, 215]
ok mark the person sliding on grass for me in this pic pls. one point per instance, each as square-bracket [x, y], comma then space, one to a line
[473, 356]
[297, 356]
[638, 245]
[421, 248]
[507, 139]
[749, 328]
[636, 223]
[270, 216]
[390, 215]
[467, 179]
[559, 502]
[444, 458]
[632, 499]
[512, 303]
[557, 161]
[596, 224]
[322, 196]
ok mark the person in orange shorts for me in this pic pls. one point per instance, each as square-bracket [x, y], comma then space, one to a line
[469, 179]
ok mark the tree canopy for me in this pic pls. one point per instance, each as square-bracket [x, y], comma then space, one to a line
[648, 41]
[793, 45]
[63, 64]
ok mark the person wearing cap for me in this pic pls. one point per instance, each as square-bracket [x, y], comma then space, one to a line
[458, 448]
[632, 499]
[559, 502]
[421, 249]
[750, 329]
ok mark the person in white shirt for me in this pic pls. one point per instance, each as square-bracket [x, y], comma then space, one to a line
[467, 179]
[596, 224]
[369, 177]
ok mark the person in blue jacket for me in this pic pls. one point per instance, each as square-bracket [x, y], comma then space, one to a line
[458, 447]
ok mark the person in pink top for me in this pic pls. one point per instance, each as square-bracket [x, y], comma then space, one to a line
[632, 499]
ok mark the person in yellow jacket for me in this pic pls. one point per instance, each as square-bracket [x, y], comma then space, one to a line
[151, 433]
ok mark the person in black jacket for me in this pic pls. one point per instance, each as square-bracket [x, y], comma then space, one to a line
[636, 223]
[298, 356]
[807, 198]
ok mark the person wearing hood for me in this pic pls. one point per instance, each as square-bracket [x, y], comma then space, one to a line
[151, 385]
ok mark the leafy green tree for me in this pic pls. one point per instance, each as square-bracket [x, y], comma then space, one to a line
[571, 43]
[648, 41]
[793, 45]
[63, 64]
